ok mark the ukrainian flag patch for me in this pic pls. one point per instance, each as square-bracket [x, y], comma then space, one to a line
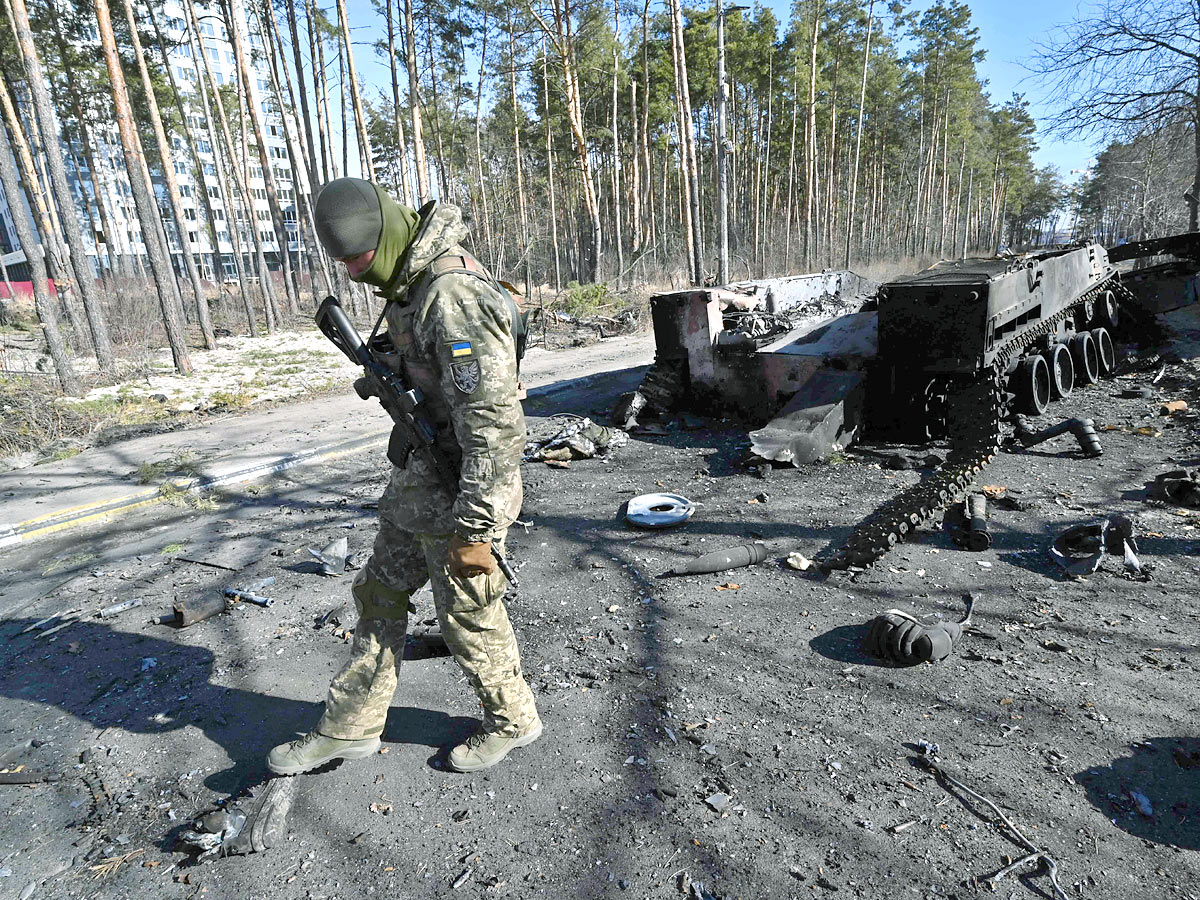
[459, 349]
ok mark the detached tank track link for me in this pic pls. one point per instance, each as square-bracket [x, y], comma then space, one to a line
[974, 442]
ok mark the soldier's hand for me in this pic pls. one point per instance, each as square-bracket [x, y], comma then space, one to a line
[468, 560]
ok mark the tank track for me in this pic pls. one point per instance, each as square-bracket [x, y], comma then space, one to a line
[974, 442]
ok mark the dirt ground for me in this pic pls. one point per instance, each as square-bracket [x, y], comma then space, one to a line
[706, 736]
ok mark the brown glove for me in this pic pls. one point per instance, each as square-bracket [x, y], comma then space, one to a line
[468, 560]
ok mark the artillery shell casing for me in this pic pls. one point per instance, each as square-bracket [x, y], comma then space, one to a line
[720, 560]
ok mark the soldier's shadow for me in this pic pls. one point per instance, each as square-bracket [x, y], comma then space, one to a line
[152, 685]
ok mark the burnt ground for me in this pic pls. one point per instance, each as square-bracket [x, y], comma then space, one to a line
[1070, 704]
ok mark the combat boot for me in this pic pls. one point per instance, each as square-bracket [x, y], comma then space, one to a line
[483, 749]
[314, 750]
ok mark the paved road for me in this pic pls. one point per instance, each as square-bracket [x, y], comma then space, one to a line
[72, 515]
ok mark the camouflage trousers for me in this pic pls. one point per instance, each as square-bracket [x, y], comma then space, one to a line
[474, 623]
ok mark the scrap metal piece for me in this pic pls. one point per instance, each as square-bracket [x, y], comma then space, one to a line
[904, 640]
[28, 776]
[821, 418]
[1081, 549]
[189, 612]
[123, 606]
[580, 438]
[977, 537]
[1178, 486]
[659, 510]
[1083, 429]
[720, 560]
[627, 409]
[248, 597]
[332, 558]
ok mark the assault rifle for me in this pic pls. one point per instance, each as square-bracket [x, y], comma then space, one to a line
[412, 431]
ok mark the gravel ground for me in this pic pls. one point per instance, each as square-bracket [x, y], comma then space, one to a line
[716, 735]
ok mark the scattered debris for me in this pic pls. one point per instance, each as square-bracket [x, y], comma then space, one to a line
[728, 586]
[332, 559]
[720, 560]
[1171, 407]
[576, 439]
[1035, 854]
[21, 775]
[976, 537]
[189, 612]
[799, 561]
[117, 608]
[1142, 802]
[232, 554]
[331, 617]
[250, 826]
[627, 409]
[719, 802]
[248, 597]
[1081, 549]
[1138, 392]
[1178, 486]
[1083, 429]
[461, 880]
[659, 510]
[903, 640]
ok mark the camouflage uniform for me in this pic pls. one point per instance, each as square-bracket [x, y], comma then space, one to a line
[453, 338]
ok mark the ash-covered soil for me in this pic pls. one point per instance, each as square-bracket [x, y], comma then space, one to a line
[717, 735]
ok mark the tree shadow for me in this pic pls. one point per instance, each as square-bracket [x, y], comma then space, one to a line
[153, 685]
[1163, 771]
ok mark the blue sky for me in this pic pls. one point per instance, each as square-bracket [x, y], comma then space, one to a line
[1009, 31]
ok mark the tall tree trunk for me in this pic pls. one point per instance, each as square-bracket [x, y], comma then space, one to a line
[235, 22]
[360, 121]
[68, 218]
[37, 272]
[224, 194]
[618, 243]
[304, 220]
[414, 104]
[787, 206]
[401, 144]
[143, 194]
[320, 89]
[862, 100]
[687, 129]
[172, 182]
[306, 125]
[523, 218]
[231, 157]
[810, 144]
[550, 167]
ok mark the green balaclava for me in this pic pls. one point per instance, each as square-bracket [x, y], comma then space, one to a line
[353, 216]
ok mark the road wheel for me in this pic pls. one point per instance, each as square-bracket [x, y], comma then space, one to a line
[1107, 311]
[1106, 354]
[1062, 371]
[1087, 364]
[1031, 385]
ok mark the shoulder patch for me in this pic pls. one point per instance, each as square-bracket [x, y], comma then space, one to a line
[466, 375]
[460, 349]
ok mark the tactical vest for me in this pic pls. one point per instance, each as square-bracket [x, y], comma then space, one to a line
[464, 263]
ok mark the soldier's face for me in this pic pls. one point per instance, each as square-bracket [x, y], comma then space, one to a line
[356, 265]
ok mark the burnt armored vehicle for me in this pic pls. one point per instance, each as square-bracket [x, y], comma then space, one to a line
[965, 341]
[946, 353]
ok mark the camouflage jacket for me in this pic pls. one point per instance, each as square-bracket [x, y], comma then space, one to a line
[453, 338]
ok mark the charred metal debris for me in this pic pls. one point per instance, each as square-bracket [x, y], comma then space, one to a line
[817, 362]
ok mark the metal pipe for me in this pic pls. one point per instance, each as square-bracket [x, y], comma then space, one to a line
[978, 538]
[1083, 429]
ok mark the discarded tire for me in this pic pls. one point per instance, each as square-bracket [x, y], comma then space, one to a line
[1083, 351]
[1106, 354]
[1031, 385]
[1062, 371]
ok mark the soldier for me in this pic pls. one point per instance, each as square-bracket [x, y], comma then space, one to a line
[453, 334]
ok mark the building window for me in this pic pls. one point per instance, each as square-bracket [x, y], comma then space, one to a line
[193, 237]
